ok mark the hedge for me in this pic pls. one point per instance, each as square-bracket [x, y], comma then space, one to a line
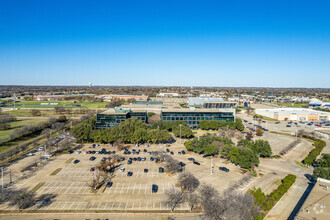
[318, 147]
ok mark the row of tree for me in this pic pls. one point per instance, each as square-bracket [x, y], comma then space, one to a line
[245, 154]
[132, 130]
[215, 125]
[174, 126]
[318, 147]
[323, 167]
[268, 201]
[5, 120]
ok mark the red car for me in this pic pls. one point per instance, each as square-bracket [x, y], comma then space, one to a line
[92, 169]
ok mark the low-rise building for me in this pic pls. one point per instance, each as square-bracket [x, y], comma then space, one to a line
[193, 116]
[294, 114]
[125, 97]
[223, 104]
[112, 117]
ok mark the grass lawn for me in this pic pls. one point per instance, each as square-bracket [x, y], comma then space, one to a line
[36, 104]
[265, 118]
[294, 105]
[19, 123]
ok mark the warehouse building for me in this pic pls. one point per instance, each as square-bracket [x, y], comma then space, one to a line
[113, 117]
[294, 114]
[193, 116]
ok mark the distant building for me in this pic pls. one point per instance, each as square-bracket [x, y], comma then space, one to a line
[49, 97]
[166, 94]
[294, 114]
[319, 103]
[125, 97]
[193, 116]
[112, 117]
[199, 101]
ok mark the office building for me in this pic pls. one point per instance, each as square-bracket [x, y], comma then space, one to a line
[112, 117]
[193, 116]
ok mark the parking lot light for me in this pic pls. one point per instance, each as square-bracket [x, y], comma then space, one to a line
[180, 132]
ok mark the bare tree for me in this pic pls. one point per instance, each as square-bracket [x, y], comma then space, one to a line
[172, 165]
[174, 197]
[193, 199]
[188, 181]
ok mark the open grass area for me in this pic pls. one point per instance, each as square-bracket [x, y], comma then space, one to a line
[293, 105]
[265, 118]
[299, 163]
[37, 104]
[38, 186]
[56, 172]
[20, 123]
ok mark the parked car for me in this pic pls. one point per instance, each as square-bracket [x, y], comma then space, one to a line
[109, 184]
[145, 170]
[224, 169]
[78, 152]
[76, 161]
[183, 152]
[197, 163]
[161, 169]
[92, 169]
[130, 173]
[191, 159]
[288, 126]
[154, 188]
[29, 154]
[70, 151]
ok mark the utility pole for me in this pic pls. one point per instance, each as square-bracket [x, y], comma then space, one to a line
[180, 132]
[296, 135]
[2, 176]
[10, 175]
[211, 165]
[14, 101]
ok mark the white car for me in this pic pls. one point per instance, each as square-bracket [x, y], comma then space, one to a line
[122, 169]
[30, 154]
[78, 152]
[48, 155]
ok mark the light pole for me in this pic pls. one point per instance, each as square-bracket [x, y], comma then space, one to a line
[180, 132]
[211, 165]
[2, 177]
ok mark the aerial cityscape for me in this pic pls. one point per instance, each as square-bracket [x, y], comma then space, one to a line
[165, 110]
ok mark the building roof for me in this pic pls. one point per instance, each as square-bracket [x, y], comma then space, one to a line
[199, 110]
[288, 111]
[200, 100]
[317, 203]
[119, 111]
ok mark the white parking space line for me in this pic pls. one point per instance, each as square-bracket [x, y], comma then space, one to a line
[126, 206]
[133, 188]
[112, 205]
[71, 205]
[140, 188]
[85, 205]
[147, 206]
[119, 206]
[68, 188]
[57, 205]
[145, 190]
[122, 188]
[128, 187]
[140, 206]
[132, 206]
[106, 204]
[91, 205]
[98, 206]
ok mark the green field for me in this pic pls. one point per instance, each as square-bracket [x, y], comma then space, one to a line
[294, 105]
[20, 123]
[69, 104]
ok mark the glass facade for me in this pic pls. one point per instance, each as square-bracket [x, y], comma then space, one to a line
[192, 118]
[110, 120]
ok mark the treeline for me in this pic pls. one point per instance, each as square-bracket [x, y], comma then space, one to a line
[28, 130]
[215, 125]
[68, 110]
[5, 119]
[208, 144]
[132, 130]
[267, 202]
[323, 167]
[174, 126]
[245, 154]
[318, 147]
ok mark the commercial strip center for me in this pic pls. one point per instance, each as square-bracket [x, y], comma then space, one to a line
[294, 114]
[192, 116]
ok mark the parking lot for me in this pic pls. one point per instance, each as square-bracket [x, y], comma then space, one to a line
[72, 191]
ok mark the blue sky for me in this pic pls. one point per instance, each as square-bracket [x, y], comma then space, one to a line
[271, 43]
